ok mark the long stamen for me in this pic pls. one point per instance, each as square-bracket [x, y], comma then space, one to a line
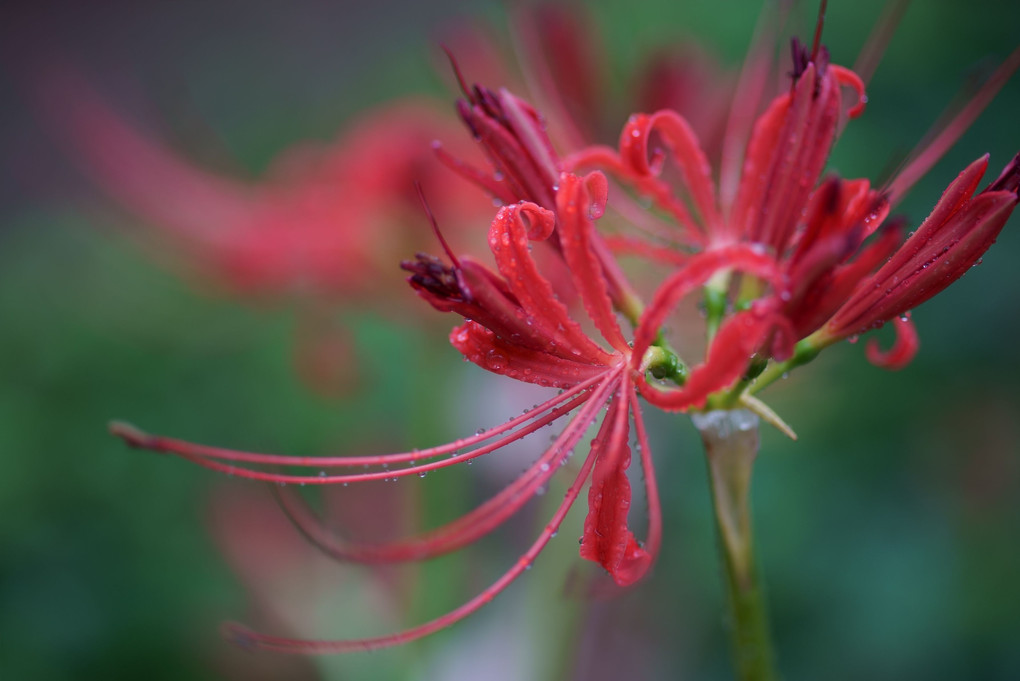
[876, 44]
[539, 78]
[746, 98]
[248, 638]
[137, 438]
[461, 82]
[435, 225]
[925, 156]
[469, 527]
[818, 30]
[283, 478]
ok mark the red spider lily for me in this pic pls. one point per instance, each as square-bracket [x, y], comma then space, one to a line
[817, 231]
[325, 222]
[518, 328]
[793, 250]
[530, 336]
[323, 227]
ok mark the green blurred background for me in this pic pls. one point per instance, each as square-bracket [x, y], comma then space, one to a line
[888, 533]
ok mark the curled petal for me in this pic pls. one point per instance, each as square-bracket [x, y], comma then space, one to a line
[511, 247]
[902, 351]
[728, 356]
[848, 78]
[609, 160]
[677, 135]
[695, 273]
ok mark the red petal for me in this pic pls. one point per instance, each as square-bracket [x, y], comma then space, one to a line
[695, 273]
[683, 143]
[573, 204]
[728, 356]
[484, 348]
[508, 239]
[902, 351]
[606, 539]
[958, 231]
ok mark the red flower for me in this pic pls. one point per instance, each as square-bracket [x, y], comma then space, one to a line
[828, 238]
[796, 255]
[518, 329]
[325, 222]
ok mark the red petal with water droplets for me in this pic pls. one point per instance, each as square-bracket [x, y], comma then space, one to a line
[958, 231]
[573, 207]
[607, 539]
[482, 347]
[511, 247]
[677, 135]
[821, 301]
[764, 140]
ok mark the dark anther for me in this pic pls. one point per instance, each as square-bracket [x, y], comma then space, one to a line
[1009, 180]
[430, 273]
[801, 58]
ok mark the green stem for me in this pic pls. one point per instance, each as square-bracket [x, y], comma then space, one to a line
[731, 445]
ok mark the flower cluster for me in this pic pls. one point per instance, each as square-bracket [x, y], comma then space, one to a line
[788, 262]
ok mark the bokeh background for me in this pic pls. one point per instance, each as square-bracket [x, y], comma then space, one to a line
[888, 534]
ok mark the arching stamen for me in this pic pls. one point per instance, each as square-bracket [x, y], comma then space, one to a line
[927, 154]
[876, 44]
[249, 639]
[435, 225]
[746, 99]
[457, 72]
[469, 527]
[848, 78]
[818, 30]
[135, 437]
